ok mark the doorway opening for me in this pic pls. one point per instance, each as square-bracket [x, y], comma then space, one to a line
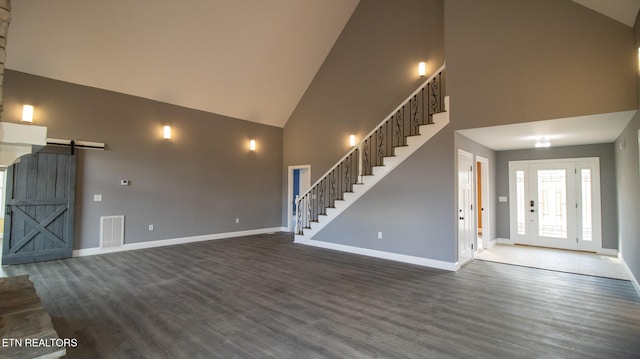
[299, 181]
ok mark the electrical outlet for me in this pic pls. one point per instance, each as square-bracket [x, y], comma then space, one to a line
[151, 227]
[379, 235]
[97, 198]
[237, 220]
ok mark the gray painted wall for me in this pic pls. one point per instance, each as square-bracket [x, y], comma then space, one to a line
[607, 183]
[512, 61]
[197, 183]
[411, 206]
[508, 61]
[628, 176]
[370, 70]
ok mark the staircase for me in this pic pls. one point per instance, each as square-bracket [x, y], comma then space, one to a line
[407, 128]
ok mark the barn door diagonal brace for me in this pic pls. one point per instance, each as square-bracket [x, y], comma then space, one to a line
[39, 227]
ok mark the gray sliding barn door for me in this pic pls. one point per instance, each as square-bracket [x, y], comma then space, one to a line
[39, 207]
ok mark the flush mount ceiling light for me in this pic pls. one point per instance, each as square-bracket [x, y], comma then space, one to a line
[543, 142]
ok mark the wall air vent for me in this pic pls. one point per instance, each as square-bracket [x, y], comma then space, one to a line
[111, 231]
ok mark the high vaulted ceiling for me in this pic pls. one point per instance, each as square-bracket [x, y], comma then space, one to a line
[624, 11]
[248, 59]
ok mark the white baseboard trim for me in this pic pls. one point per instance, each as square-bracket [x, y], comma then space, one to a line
[632, 278]
[492, 243]
[425, 262]
[504, 241]
[173, 241]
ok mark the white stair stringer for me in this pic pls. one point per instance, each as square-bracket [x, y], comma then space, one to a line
[440, 120]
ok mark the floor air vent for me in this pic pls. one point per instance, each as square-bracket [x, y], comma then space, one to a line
[111, 231]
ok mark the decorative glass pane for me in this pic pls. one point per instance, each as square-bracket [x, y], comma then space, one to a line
[587, 224]
[552, 203]
[520, 204]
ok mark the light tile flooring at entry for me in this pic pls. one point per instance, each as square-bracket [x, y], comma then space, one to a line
[556, 259]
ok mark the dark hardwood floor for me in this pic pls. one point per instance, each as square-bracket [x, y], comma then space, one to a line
[264, 297]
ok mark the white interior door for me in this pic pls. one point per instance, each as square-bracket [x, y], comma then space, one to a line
[466, 226]
[556, 203]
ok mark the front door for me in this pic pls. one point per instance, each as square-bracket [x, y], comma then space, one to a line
[39, 207]
[556, 203]
[552, 214]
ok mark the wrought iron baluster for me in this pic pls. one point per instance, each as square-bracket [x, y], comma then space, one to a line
[404, 126]
[298, 215]
[321, 205]
[356, 162]
[435, 94]
[314, 202]
[365, 157]
[332, 194]
[427, 121]
[398, 129]
[347, 173]
[339, 183]
[380, 146]
[387, 135]
[308, 206]
[414, 113]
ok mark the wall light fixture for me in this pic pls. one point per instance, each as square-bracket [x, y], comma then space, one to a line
[422, 69]
[27, 113]
[352, 140]
[166, 132]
